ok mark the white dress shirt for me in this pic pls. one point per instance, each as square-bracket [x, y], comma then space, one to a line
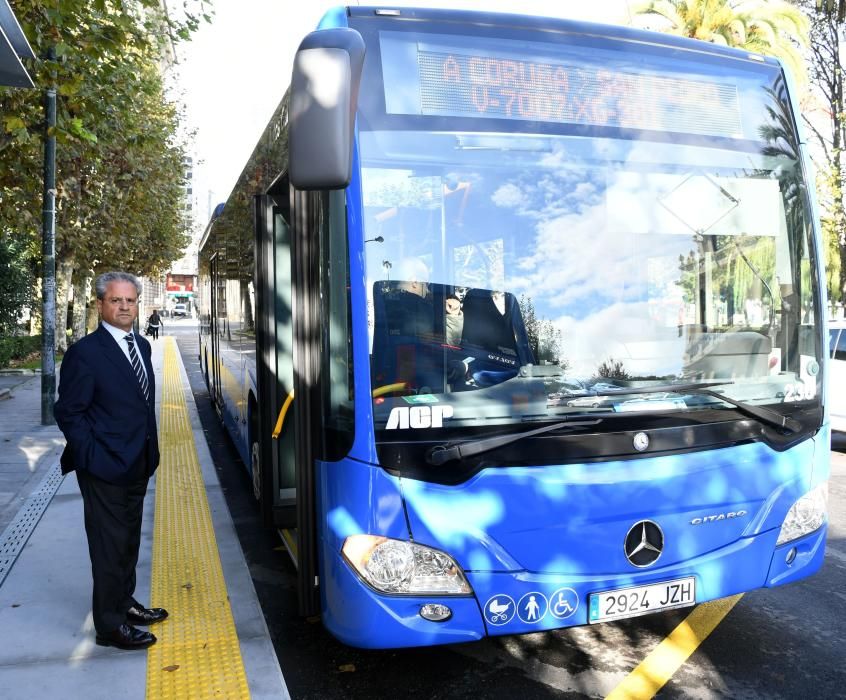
[118, 335]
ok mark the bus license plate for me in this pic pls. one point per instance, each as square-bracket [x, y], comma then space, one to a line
[641, 600]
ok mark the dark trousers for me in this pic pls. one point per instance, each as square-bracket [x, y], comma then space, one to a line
[155, 331]
[113, 525]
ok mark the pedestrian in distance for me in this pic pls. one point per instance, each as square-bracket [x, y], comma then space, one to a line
[106, 410]
[154, 323]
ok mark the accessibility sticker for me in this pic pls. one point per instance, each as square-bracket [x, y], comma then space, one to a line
[563, 603]
[532, 607]
[500, 609]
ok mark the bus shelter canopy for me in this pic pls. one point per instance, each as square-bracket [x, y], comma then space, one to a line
[13, 47]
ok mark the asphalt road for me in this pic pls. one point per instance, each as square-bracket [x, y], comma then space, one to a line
[787, 642]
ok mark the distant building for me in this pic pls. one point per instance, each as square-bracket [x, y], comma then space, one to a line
[181, 279]
[152, 297]
[177, 285]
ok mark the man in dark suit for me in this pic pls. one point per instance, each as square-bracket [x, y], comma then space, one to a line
[106, 410]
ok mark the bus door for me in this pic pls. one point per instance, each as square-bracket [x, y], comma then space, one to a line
[215, 330]
[274, 364]
[291, 452]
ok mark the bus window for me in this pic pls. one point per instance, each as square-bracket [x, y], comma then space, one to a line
[838, 344]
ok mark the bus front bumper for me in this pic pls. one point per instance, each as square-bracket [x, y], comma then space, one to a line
[521, 602]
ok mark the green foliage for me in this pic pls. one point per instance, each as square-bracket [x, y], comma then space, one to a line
[826, 60]
[15, 284]
[119, 171]
[769, 27]
[18, 347]
[831, 250]
[745, 271]
[612, 369]
[544, 337]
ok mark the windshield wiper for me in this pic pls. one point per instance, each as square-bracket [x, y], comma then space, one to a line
[762, 413]
[447, 452]
[439, 454]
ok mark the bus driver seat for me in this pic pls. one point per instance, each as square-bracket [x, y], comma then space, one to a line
[408, 336]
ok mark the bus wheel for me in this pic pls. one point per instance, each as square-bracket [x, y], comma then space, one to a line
[255, 465]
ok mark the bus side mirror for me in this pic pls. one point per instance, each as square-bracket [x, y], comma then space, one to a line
[321, 116]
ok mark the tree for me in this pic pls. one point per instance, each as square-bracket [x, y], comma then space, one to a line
[15, 285]
[769, 27]
[826, 73]
[780, 29]
[836, 8]
[544, 337]
[119, 161]
[612, 369]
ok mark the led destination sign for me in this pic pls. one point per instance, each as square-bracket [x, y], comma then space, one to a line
[528, 82]
[498, 87]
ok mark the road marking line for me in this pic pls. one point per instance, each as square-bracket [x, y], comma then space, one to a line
[658, 667]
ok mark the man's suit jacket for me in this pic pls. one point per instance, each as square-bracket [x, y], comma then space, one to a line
[109, 427]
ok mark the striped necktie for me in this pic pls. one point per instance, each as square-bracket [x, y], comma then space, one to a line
[136, 365]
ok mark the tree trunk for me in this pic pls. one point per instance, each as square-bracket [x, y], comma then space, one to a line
[81, 294]
[842, 264]
[93, 316]
[64, 274]
[247, 307]
[827, 71]
[839, 224]
[35, 309]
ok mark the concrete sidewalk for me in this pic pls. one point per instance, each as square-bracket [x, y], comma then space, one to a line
[47, 644]
[27, 448]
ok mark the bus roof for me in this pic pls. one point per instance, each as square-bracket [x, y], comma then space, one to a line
[538, 23]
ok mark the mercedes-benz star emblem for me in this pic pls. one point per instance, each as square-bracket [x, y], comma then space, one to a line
[640, 441]
[644, 543]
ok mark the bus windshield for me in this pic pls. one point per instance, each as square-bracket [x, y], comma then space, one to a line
[530, 256]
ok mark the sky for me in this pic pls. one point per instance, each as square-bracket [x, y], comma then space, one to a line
[233, 73]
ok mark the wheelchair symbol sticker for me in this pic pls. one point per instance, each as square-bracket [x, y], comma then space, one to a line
[499, 609]
[532, 607]
[563, 603]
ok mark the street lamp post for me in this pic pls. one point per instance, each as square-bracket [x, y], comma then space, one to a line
[48, 259]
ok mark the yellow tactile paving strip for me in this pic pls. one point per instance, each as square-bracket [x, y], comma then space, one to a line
[197, 653]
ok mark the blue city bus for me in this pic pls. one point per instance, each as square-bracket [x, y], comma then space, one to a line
[517, 324]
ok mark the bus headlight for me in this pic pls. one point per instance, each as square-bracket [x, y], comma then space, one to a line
[397, 566]
[806, 515]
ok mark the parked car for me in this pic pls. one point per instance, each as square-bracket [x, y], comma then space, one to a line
[653, 402]
[568, 389]
[600, 387]
[180, 310]
[837, 373]
[591, 401]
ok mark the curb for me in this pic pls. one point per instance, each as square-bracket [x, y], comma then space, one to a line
[17, 372]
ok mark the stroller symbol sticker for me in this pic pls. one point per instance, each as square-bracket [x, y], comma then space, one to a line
[563, 603]
[499, 609]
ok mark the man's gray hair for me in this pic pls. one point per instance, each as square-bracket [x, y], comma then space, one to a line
[103, 280]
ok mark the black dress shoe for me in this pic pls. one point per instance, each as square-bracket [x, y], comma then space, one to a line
[139, 615]
[126, 637]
